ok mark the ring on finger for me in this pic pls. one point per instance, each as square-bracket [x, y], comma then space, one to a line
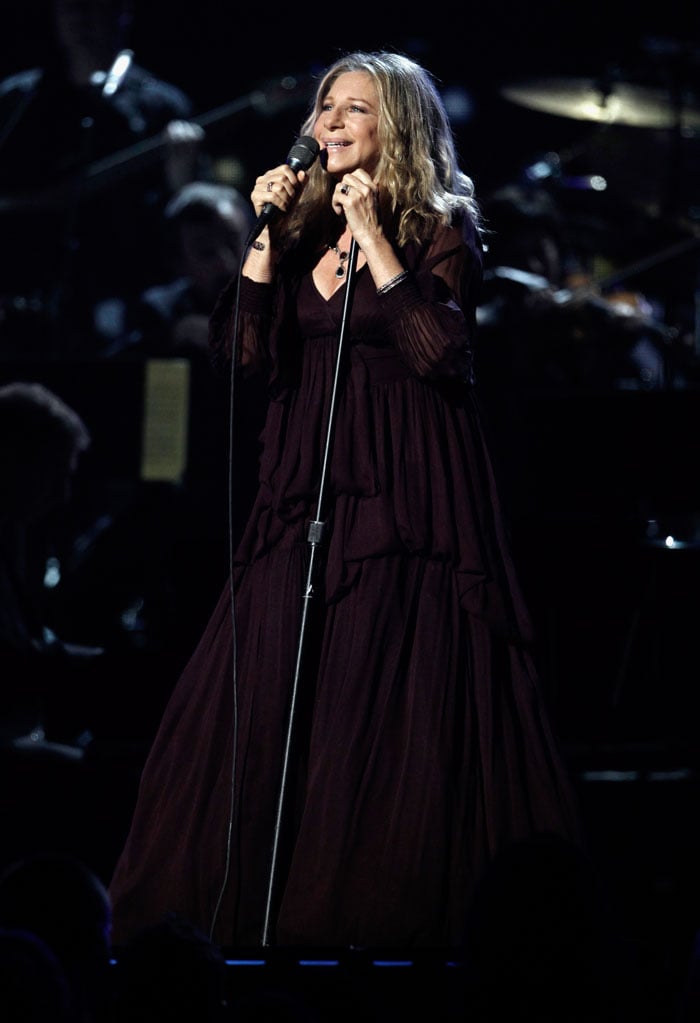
[345, 189]
[269, 186]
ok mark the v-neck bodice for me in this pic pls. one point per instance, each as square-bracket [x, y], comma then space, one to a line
[319, 316]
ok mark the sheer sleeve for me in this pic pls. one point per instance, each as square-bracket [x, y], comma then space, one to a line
[431, 313]
[253, 325]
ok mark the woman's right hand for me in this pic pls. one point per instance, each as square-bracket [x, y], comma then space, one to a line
[280, 186]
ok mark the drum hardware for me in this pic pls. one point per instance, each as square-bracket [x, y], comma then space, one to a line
[605, 102]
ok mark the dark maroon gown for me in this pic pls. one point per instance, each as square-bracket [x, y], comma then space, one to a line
[420, 741]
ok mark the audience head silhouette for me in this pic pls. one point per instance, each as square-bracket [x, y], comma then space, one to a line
[33, 987]
[61, 901]
[42, 440]
[171, 971]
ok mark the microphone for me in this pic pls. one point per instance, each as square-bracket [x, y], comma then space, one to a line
[300, 157]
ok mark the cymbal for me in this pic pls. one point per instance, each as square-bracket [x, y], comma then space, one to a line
[585, 99]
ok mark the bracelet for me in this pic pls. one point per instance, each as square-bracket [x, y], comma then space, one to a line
[258, 246]
[392, 283]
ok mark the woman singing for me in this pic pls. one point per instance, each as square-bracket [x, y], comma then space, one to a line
[420, 743]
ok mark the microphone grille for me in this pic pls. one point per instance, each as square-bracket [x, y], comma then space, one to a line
[303, 153]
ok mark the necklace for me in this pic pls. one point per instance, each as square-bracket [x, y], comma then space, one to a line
[342, 256]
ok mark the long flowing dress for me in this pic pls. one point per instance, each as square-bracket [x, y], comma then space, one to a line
[420, 742]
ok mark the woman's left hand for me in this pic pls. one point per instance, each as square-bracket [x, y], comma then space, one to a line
[356, 197]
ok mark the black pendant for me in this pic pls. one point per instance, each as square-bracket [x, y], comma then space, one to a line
[342, 256]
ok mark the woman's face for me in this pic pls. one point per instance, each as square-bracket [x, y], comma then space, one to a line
[346, 128]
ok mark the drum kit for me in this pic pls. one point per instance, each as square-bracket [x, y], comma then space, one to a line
[629, 192]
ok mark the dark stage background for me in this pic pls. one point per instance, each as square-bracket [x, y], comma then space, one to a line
[603, 478]
[218, 52]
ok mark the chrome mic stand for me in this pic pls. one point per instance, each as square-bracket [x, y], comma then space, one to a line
[315, 537]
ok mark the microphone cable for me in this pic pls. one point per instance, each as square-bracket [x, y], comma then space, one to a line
[234, 648]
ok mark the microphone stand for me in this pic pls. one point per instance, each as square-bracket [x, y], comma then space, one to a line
[316, 535]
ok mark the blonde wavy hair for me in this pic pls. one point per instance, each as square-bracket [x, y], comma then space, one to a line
[421, 183]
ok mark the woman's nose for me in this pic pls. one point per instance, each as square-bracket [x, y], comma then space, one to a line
[333, 118]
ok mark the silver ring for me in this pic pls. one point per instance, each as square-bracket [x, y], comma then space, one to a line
[269, 186]
[345, 189]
